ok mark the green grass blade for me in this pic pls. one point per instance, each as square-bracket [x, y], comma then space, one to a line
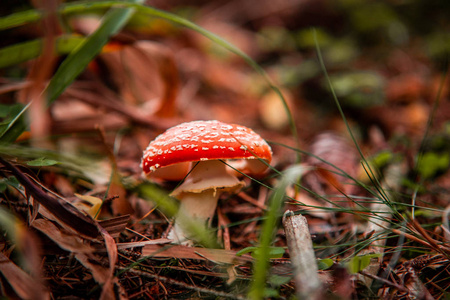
[71, 67]
[25, 51]
[230, 47]
[77, 61]
[335, 98]
[18, 53]
[364, 162]
[269, 228]
[20, 18]
[80, 6]
[15, 127]
[89, 168]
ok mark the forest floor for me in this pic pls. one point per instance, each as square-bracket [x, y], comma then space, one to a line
[363, 122]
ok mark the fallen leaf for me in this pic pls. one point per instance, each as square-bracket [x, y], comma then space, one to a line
[22, 283]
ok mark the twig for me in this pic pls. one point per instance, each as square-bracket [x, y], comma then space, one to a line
[385, 281]
[302, 256]
[113, 104]
[184, 285]
[252, 201]
[223, 231]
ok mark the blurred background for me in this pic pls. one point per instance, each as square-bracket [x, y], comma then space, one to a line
[385, 59]
[386, 63]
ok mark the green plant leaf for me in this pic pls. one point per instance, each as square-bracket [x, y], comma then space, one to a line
[42, 162]
[359, 263]
[20, 18]
[11, 225]
[13, 123]
[270, 293]
[9, 181]
[359, 89]
[278, 280]
[383, 158]
[79, 166]
[431, 163]
[274, 252]
[246, 250]
[325, 263]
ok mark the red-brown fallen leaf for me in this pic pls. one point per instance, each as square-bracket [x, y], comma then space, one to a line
[336, 162]
[67, 214]
[22, 283]
[40, 72]
[183, 252]
[145, 73]
[115, 225]
[405, 88]
[84, 253]
[408, 119]
[111, 280]
[66, 240]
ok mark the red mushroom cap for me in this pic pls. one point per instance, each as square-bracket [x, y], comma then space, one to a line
[205, 140]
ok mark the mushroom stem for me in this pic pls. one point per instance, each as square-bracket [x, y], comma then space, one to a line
[198, 195]
[195, 213]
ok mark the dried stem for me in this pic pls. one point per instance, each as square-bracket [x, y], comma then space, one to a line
[302, 256]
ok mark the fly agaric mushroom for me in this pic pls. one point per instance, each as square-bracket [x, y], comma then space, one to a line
[199, 149]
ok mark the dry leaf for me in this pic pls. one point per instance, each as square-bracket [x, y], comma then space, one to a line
[145, 73]
[66, 214]
[183, 252]
[66, 240]
[22, 283]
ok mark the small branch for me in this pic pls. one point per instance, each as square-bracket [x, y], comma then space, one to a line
[385, 281]
[302, 256]
[185, 285]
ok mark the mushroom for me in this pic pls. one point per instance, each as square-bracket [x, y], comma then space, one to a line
[197, 151]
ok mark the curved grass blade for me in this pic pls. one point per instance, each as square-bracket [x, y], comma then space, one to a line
[79, 167]
[69, 71]
[230, 47]
[20, 18]
[420, 155]
[75, 7]
[25, 51]
[269, 228]
[364, 162]
[15, 127]
[77, 61]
